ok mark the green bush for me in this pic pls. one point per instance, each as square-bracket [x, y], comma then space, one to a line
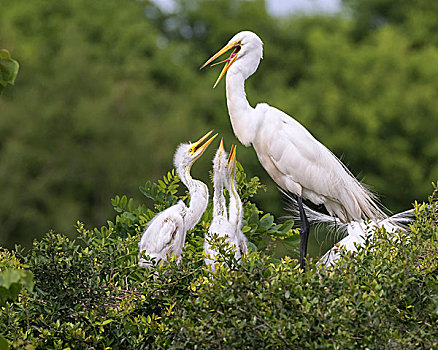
[13, 277]
[384, 299]
[90, 294]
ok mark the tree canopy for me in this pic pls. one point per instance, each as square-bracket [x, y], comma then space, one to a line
[108, 89]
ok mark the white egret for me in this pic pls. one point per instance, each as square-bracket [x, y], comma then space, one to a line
[293, 158]
[221, 229]
[235, 213]
[166, 232]
[357, 231]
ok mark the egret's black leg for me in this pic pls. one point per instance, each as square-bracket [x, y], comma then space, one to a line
[304, 233]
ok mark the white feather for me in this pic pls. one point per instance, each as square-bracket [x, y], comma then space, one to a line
[357, 232]
[293, 158]
[165, 235]
[224, 227]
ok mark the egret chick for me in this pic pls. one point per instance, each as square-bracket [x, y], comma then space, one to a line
[235, 212]
[220, 230]
[165, 234]
[360, 232]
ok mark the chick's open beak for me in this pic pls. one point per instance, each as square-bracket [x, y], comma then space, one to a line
[236, 45]
[231, 164]
[200, 146]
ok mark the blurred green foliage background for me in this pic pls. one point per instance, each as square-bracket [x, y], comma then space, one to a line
[108, 88]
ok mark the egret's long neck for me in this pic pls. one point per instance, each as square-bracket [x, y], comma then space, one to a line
[219, 203]
[198, 199]
[236, 208]
[241, 113]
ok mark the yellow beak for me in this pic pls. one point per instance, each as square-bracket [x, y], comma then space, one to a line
[198, 145]
[231, 165]
[229, 61]
[221, 146]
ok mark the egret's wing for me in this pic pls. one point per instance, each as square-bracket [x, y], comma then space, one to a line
[301, 164]
[159, 235]
[163, 236]
[299, 156]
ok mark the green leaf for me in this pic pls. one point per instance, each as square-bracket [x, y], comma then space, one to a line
[115, 201]
[106, 322]
[10, 276]
[161, 184]
[266, 222]
[253, 219]
[12, 281]
[286, 226]
[4, 345]
[123, 202]
[131, 204]
[252, 247]
[8, 69]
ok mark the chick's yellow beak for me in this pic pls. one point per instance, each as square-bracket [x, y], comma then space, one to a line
[236, 45]
[221, 146]
[231, 163]
[200, 146]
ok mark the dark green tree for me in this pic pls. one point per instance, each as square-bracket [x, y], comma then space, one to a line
[108, 90]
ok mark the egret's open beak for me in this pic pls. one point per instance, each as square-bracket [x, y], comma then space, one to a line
[200, 146]
[231, 164]
[236, 45]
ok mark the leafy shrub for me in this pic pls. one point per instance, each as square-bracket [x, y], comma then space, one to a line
[384, 299]
[13, 277]
[90, 293]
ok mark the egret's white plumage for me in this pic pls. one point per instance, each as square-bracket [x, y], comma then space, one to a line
[221, 230]
[293, 158]
[357, 232]
[235, 212]
[165, 234]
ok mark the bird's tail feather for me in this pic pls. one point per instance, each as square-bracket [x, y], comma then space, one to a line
[368, 202]
[399, 220]
[316, 218]
[362, 196]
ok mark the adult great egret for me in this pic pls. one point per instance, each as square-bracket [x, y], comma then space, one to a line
[293, 158]
[166, 232]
